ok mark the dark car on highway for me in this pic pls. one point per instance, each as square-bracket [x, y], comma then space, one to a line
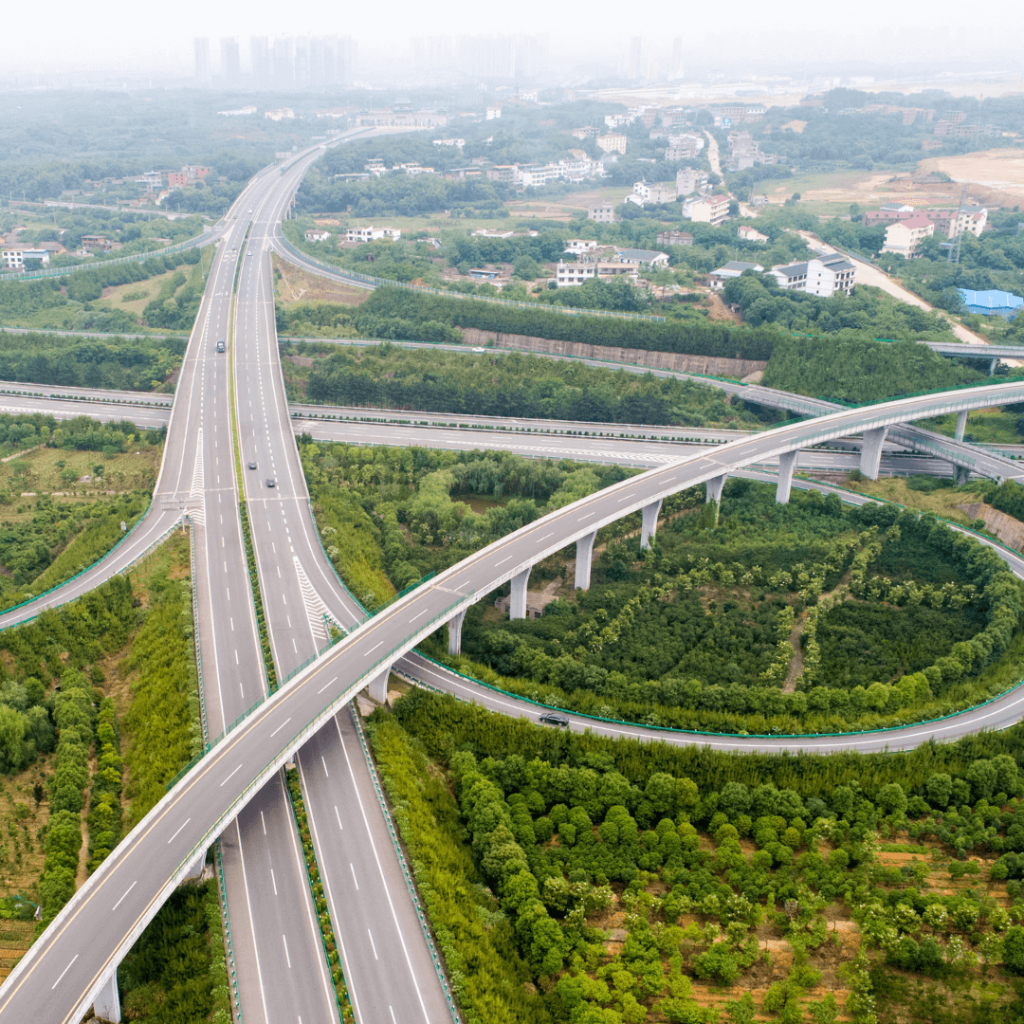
[554, 718]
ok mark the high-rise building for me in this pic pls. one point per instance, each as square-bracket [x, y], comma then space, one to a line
[633, 58]
[677, 57]
[259, 55]
[230, 60]
[202, 47]
[283, 63]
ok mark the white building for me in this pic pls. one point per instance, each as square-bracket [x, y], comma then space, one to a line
[372, 234]
[450, 142]
[689, 181]
[14, 259]
[904, 236]
[655, 193]
[824, 275]
[612, 143]
[313, 235]
[706, 209]
[282, 114]
[749, 234]
[568, 275]
[733, 269]
[580, 245]
[602, 214]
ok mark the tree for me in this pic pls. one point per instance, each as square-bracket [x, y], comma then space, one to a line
[1013, 950]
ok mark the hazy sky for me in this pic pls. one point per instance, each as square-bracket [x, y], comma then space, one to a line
[124, 35]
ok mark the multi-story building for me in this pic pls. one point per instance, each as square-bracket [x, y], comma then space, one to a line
[580, 245]
[904, 236]
[604, 214]
[317, 236]
[505, 174]
[824, 276]
[372, 234]
[706, 209]
[683, 147]
[675, 237]
[689, 181]
[652, 193]
[612, 143]
[571, 274]
[749, 234]
[14, 259]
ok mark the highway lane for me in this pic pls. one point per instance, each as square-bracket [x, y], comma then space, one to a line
[77, 950]
[388, 967]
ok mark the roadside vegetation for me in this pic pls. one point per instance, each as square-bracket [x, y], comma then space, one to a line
[575, 878]
[499, 384]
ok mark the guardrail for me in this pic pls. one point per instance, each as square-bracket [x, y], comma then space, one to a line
[380, 282]
[410, 883]
[225, 917]
[141, 257]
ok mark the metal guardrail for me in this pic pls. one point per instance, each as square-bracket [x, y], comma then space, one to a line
[225, 917]
[380, 282]
[409, 880]
[141, 257]
[195, 632]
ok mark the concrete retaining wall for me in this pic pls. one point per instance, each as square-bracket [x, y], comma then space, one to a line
[711, 365]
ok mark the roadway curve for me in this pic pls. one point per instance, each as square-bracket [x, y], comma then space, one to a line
[61, 973]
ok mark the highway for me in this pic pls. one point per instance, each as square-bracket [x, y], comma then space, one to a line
[78, 951]
[80, 946]
[387, 963]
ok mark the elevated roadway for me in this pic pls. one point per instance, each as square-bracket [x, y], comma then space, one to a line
[68, 964]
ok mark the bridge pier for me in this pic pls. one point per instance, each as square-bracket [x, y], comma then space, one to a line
[787, 463]
[455, 632]
[107, 1005]
[871, 451]
[961, 424]
[195, 869]
[650, 523]
[517, 607]
[714, 488]
[584, 560]
[378, 686]
[992, 367]
[961, 474]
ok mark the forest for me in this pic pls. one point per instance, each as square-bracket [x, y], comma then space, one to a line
[574, 878]
[121, 364]
[850, 368]
[502, 384]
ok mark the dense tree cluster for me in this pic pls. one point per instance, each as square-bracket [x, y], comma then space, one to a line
[562, 827]
[511, 384]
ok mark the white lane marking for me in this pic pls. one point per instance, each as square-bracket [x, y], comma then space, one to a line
[546, 535]
[232, 621]
[278, 729]
[392, 1014]
[237, 662]
[626, 498]
[353, 870]
[322, 688]
[180, 827]
[135, 883]
[323, 761]
[238, 769]
[286, 956]
[373, 945]
[264, 820]
[294, 646]
[279, 572]
[62, 973]
[587, 516]
[420, 616]
[372, 649]
[504, 560]
[274, 880]
[341, 828]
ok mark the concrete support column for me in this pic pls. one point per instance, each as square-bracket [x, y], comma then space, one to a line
[961, 425]
[992, 367]
[715, 487]
[195, 869]
[961, 474]
[650, 523]
[871, 451]
[517, 608]
[108, 1003]
[584, 560]
[787, 463]
[455, 632]
[378, 686]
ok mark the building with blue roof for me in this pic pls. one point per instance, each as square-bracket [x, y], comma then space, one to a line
[991, 303]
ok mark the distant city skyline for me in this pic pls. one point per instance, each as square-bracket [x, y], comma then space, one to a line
[467, 42]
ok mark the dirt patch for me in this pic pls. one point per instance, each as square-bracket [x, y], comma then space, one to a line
[294, 285]
[998, 173]
[1009, 530]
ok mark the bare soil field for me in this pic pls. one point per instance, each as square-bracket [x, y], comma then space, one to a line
[295, 285]
[998, 173]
